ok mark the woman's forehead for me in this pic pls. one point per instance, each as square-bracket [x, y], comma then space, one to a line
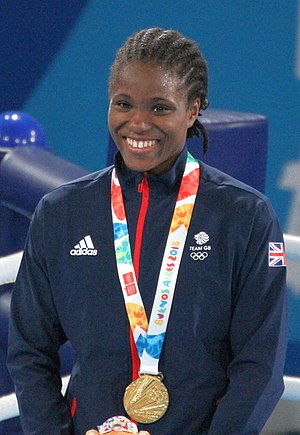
[146, 77]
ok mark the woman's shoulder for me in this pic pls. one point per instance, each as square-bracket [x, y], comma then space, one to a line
[78, 189]
[230, 193]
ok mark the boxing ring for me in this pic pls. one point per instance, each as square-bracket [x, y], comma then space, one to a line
[9, 266]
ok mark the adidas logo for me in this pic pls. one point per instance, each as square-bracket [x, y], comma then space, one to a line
[84, 247]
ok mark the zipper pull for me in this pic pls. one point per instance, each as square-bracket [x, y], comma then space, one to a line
[142, 183]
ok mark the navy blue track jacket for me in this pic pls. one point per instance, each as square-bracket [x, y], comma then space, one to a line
[225, 345]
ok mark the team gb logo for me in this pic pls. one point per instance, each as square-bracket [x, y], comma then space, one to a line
[201, 238]
[201, 251]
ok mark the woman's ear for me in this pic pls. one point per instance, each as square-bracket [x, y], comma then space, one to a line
[193, 111]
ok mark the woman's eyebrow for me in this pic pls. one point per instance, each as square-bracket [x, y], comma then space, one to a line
[122, 95]
[155, 99]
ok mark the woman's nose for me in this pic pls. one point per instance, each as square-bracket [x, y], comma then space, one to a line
[139, 121]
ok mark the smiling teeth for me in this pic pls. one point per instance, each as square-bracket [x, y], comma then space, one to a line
[140, 143]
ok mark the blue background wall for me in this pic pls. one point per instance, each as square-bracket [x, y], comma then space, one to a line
[55, 57]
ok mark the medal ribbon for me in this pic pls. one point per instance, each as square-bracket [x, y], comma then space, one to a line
[149, 338]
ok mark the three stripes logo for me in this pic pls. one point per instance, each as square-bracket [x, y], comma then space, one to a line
[84, 247]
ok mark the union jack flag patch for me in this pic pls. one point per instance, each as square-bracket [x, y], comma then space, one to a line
[276, 254]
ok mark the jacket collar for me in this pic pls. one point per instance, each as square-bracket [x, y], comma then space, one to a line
[168, 182]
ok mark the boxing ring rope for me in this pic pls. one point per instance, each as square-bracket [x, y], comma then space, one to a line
[9, 266]
[9, 405]
[292, 246]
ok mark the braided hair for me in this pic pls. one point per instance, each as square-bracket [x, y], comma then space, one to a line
[175, 54]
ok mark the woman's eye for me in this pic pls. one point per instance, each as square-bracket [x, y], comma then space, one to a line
[160, 108]
[123, 105]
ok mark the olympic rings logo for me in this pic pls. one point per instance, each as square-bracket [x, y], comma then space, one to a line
[199, 255]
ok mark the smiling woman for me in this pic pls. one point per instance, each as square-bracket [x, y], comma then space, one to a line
[180, 61]
[179, 321]
[149, 116]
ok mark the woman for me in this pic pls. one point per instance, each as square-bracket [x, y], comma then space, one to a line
[163, 243]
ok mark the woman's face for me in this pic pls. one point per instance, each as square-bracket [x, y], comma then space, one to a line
[148, 117]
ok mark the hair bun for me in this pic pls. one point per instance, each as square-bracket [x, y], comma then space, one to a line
[205, 104]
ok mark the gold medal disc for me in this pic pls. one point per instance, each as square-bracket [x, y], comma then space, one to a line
[146, 399]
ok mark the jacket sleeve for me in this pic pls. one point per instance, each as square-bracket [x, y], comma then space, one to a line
[35, 335]
[258, 334]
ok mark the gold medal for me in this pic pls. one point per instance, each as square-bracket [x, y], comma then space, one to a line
[146, 399]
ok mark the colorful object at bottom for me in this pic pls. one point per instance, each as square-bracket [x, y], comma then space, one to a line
[118, 423]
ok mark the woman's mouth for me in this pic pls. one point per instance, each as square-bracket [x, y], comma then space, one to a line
[140, 143]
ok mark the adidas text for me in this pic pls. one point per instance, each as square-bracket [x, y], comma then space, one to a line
[83, 251]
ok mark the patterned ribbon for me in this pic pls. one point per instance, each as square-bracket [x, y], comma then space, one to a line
[149, 338]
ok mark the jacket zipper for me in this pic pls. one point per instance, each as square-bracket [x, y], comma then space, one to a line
[143, 188]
